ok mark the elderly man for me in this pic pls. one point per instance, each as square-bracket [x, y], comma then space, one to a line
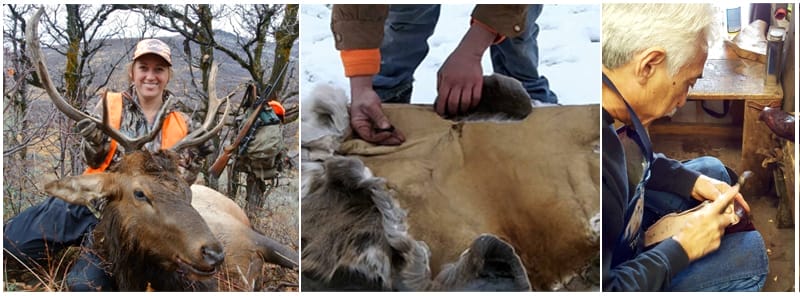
[652, 55]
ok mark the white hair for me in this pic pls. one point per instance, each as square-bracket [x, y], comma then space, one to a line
[681, 29]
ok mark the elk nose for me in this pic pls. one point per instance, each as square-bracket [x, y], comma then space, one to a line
[213, 255]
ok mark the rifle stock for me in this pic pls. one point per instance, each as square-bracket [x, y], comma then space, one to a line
[216, 169]
[219, 165]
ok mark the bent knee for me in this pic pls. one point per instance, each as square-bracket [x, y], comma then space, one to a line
[711, 167]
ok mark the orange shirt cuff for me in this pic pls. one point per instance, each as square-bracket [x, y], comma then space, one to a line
[498, 37]
[360, 62]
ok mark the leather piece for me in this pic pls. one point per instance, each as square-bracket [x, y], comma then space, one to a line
[671, 224]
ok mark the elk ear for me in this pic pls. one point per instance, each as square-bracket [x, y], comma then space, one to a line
[80, 190]
[490, 264]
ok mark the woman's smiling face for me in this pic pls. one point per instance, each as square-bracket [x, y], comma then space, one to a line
[150, 75]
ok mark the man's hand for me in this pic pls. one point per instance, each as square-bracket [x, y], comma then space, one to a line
[706, 188]
[702, 234]
[460, 79]
[366, 115]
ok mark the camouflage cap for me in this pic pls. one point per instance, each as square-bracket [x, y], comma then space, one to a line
[153, 46]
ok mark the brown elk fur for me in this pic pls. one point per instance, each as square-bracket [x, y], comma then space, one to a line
[142, 238]
[366, 246]
[379, 250]
[532, 183]
[163, 239]
[246, 249]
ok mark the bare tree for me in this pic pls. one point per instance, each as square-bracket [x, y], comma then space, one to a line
[15, 83]
[17, 127]
[81, 39]
[38, 140]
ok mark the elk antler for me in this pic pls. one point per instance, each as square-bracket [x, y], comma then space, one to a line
[32, 37]
[202, 134]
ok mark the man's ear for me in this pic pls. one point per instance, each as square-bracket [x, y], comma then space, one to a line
[648, 62]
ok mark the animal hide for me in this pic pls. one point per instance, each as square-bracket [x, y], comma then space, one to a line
[356, 229]
[532, 183]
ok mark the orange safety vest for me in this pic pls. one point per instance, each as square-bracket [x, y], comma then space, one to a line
[172, 130]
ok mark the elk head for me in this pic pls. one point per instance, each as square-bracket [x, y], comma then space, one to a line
[148, 213]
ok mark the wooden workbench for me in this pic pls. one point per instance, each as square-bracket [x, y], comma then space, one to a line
[728, 77]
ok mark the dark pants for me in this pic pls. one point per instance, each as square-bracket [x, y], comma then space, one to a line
[45, 229]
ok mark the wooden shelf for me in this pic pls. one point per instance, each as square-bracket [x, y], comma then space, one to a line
[721, 131]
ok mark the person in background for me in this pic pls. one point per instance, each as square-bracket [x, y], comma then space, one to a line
[382, 45]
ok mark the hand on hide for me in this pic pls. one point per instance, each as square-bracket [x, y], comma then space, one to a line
[460, 79]
[703, 231]
[366, 114]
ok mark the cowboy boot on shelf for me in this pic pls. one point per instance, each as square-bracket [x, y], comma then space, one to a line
[779, 122]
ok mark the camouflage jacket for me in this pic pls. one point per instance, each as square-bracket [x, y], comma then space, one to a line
[134, 124]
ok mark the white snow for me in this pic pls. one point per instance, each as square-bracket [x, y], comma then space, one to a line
[567, 56]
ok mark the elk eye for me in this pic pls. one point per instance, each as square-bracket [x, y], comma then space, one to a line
[139, 195]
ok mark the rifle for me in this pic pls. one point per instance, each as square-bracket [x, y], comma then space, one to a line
[247, 133]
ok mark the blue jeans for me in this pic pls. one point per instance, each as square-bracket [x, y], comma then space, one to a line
[740, 263]
[405, 45]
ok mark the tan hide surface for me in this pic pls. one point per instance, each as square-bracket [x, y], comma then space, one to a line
[229, 223]
[533, 183]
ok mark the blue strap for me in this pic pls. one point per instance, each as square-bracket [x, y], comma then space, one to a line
[630, 241]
